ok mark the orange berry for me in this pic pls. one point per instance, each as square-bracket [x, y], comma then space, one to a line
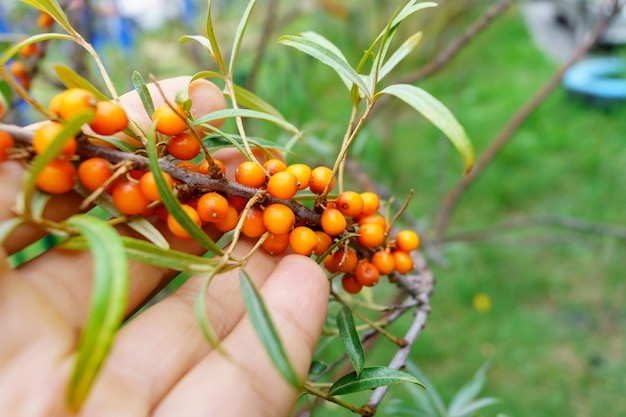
[324, 242]
[46, 133]
[251, 174]
[407, 240]
[373, 218]
[17, 69]
[183, 146]
[188, 165]
[129, 199]
[74, 101]
[203, 166]
[371, 203]
[6, 143]
[229, 222]
[303, 240]
[30, 50]
[169, 121]
[302, 173]
[253, 225]
[276, 244]
[149, 187]
[94, 172]
[402, 261]
[282, 185]
[175, 227]
[367, 274]
[371, 235]
[333, 221]
[383, 261]
[44, 20]
[57, 177]
[320, 177]
[329, 264]
[239, 203]
[272, 166]
[350, 203]
[109, 118]
[345, 261]
[350, 284]
[278, 218]
[212, 207]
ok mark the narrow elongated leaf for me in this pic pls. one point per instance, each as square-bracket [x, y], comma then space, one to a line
[53, 8]
[171, 202]
[144, 94]
[374, 377]
[246, 113]
[260, 318]
[38, 204]
[317, 367]
[71, 78]
[351, 340]
[219, 142]
[201, 315]
[241, 29]
[429, 397]
[438, 114]
[399, 55]
[107, 306]
[248, 99]
[316, 37]
[470, 409]
[326, 56]
[215, 51]
[207, 74]
[17, 47]
[70, 128]
[115, 141]
[469, 391]
[202, 40]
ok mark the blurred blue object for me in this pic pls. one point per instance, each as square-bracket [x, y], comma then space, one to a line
[602, 80]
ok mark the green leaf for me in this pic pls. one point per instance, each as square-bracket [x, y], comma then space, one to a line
[246, 113]
[70, 128]
[214, 49]
[38, 204]
[351, 340]
[316, 37]
[199, 308]
[171, 202]
[326, 56]
[241, 29]
[374, 377]
[53, 8]
[219, 142]
[207, 74]
[317, 367]
[144, 94]
[107, 305]
[17, 47]
[465, 396]
[260, 318]
[399, 55]
[115, 141]
[247, 98]
[438, 114]
[71, 78]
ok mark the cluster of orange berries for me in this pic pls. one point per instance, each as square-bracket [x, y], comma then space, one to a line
[346, 229]
[21, 68]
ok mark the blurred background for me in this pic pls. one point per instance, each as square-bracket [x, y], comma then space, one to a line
[531, 267]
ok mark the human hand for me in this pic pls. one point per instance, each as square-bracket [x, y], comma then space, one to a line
[160, 363]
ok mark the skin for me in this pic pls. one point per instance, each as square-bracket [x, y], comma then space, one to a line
[160, 364]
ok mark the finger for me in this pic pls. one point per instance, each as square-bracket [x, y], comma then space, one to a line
[247, 383]
[165, 342]
[206, 97]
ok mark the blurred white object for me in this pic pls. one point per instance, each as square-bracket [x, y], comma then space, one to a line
[582, 15]
[150, 14]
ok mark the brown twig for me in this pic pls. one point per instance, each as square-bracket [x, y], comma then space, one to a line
[572, 223]
[504, 135]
